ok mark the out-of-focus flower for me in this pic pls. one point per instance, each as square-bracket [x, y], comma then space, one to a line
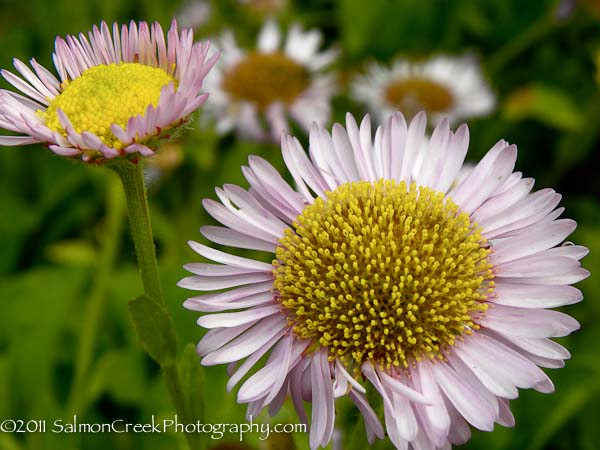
[270, 7]
[194, 14]
[442, 86]
[117, 93]
[163, 163]
[388, 271]
[271, 82]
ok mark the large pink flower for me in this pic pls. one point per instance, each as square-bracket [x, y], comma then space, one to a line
[116, 92]
[390, 273]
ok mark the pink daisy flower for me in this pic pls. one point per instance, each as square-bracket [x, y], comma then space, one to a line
[390, 273]
[116, 93]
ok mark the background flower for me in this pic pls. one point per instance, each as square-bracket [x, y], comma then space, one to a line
[443, 86]
[277, 79]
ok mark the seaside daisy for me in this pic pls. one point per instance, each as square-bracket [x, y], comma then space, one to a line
[116, 93]
[387, 275]
[443, 86]
[255, 91]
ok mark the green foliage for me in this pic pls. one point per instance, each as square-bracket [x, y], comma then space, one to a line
[154, 329]
[60, 238]
[550, 106]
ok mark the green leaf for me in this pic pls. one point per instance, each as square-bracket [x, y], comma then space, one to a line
[546, 104]
[74, 252]
[358, 22]
[37, 306]
[120, 374]
[154, 329]
[8, 442]
[572, 402]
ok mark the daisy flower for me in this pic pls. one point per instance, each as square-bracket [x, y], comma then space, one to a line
[270, 83]
[442, 86]
[116, 93]
[388, 275]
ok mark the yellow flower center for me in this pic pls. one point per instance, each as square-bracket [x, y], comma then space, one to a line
[264, 78]
[107, 94]
[415, 94]
[381, 273]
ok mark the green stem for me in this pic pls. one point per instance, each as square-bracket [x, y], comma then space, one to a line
[175, 389]
[132, 179]
[537, 30]
[89, 330]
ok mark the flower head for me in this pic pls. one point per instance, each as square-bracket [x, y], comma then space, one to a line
[393, 270]
[442, 86]
[270, 83]
[117, 93]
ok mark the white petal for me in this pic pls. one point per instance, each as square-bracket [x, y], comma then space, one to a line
[536, 266]
[535, 296]
[402, 389]
[535, 323]
[533, 241]
[491, 172]
[216, 270]
[226, 320]
[372, 422]
[269, 37]
[251, 361]
[414, 140]
[225, 258]
[246, 343]
[468, 403]
[212, 283]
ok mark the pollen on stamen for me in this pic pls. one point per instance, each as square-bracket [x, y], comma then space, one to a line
[382, 272]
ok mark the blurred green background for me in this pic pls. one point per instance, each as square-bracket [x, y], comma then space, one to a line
[67, 266]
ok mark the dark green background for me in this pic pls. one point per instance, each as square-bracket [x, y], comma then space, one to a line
[67, 263]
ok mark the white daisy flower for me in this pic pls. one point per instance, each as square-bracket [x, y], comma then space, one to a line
[117, 93]
[388, 276]
[270, 83]
[442, 86]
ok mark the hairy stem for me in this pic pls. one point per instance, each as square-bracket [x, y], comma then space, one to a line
[132, 180]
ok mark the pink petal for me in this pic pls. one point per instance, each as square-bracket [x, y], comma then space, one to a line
[225, 258]
[466, 400]
[534, 296]
[536, 323]
[234, 319]
[211, 283]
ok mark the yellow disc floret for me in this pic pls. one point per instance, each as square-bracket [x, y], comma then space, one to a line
[415, 94]
[264, 78]
[383, 273]
[107, 94]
